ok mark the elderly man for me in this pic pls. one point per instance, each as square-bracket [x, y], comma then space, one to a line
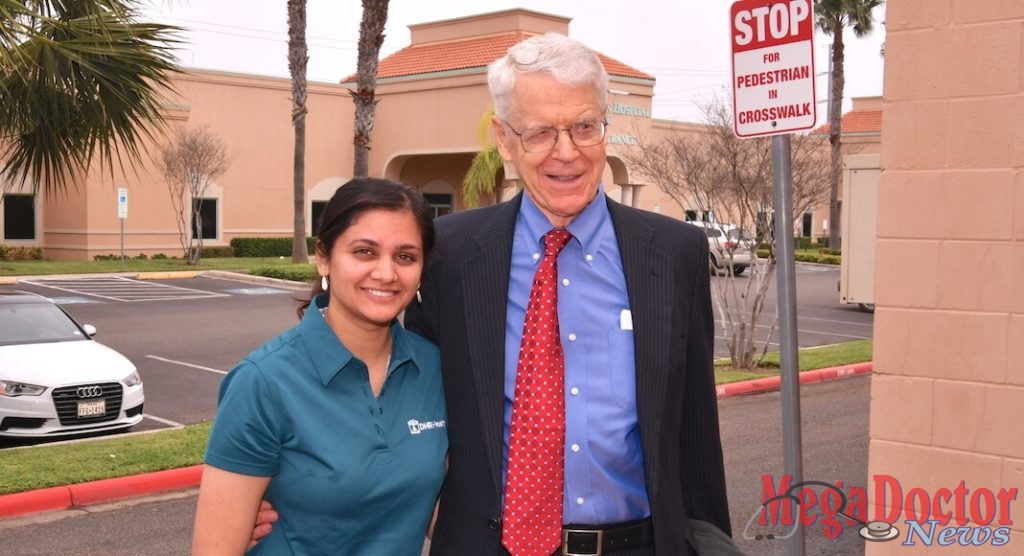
[636, 454]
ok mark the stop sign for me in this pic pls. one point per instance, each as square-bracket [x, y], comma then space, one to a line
[772, 67]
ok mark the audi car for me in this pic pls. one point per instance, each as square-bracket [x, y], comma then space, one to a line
[55, 379]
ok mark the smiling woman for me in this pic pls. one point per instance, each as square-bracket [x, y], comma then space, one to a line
[55, 380]
[283, 409]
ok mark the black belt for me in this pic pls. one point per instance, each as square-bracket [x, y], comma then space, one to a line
[595, 540]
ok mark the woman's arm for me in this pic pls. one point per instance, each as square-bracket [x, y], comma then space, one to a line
[226, 512]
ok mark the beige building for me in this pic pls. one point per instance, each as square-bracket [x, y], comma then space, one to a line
[947, 394]
[432, 96]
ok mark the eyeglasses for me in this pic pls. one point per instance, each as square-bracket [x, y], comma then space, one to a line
[543, 139]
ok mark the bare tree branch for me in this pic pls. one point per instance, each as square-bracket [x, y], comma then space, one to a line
[190, 162]
[712, 173]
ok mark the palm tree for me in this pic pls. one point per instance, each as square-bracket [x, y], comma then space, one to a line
[78, 80]
[833, 16]
[371, 36]
[481, 178]
[298, 57]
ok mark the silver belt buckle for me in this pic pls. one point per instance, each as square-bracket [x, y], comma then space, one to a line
[565, 541]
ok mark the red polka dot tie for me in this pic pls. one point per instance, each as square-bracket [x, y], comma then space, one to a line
[532, 519]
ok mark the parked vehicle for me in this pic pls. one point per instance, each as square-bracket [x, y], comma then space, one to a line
[728, 245]
[55, 379]
[859, 218]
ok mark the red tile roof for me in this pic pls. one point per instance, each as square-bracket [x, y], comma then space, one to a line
[473, 52]
[857, 121]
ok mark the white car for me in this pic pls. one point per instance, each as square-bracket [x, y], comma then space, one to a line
[55, 380]
[728, 244]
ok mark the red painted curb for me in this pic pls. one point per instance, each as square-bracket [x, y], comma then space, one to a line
[807, 377]
[135, 485]
[64, 497]
[42, 500]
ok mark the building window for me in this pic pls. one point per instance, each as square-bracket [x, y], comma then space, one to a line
[440, 203]
[806, 228]
[691, 216]
[207, 222]
[317, 213]
[19, 217]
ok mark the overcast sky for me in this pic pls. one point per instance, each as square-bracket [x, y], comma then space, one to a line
[684, 44]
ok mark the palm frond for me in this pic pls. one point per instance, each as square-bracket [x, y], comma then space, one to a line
[79, 83]
[481, 177]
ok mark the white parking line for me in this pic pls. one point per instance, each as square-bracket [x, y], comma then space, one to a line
[164, 421]
[120, 288]
[184, 364]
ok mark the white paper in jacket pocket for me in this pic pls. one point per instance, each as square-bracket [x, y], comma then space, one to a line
[626, 320]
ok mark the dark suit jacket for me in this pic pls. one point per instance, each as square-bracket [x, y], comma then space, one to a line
[464, 298]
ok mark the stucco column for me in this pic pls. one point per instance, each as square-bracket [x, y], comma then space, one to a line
[626, 194]
[630, 194]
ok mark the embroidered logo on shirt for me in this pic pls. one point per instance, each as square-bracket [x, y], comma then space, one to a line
[416, 427]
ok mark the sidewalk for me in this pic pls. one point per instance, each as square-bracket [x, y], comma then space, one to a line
[107, 490]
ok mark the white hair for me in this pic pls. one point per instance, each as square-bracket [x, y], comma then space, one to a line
[568, 61]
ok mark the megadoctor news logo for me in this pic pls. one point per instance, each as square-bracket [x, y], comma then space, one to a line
[958, 516]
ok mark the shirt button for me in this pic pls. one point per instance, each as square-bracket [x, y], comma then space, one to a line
[574, 391]
[565, 281]
[579, 501]
[575, 447]
[536, 256]
[590, 258]
[572, 337]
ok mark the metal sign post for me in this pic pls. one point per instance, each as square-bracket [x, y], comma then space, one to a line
[774, 94]
[785, 268]
[122, 214]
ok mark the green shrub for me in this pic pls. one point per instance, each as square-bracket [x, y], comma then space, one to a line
[811, 243]
[267, 246]
[305, 273]
[19, 253]
[820, 256]
[159, 257]
[221, 252]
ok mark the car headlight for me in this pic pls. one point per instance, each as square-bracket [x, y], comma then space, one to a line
[133, 379]
[15, 389]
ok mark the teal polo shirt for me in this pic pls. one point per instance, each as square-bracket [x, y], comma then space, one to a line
[351, 473]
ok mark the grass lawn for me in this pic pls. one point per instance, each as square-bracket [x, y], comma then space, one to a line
[239, 264]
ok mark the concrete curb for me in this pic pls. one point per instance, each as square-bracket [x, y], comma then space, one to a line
[807, 377]
[93, 492]
[106, 490]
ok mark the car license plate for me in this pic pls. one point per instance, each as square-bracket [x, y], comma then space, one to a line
[92, 409]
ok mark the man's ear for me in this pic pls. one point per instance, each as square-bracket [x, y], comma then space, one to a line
[501, 137]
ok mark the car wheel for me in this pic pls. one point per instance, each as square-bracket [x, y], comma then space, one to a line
[712, 265]
[867, 307]
[737, 270]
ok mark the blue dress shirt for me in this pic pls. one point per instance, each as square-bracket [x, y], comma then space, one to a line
[604, 467]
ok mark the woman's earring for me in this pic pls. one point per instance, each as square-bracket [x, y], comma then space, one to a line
[323, 283]
[419, 298]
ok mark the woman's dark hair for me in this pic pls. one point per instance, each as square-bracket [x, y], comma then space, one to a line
[361, 195]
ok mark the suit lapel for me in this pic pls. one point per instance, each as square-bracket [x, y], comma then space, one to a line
[648, 272]
[485, 280]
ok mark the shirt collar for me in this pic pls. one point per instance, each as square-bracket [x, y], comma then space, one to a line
[585, 228]
[329, 356]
